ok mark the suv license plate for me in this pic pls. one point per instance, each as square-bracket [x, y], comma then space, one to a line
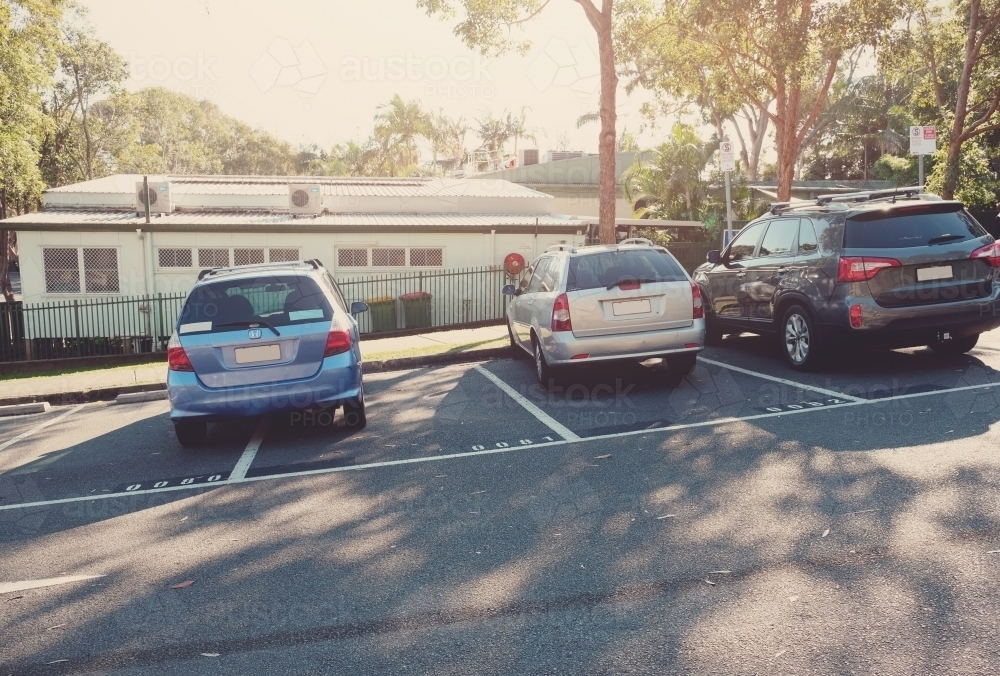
[930, 274]
[251, 355]
[631, 307]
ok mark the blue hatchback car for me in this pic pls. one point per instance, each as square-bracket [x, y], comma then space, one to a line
[259, 339]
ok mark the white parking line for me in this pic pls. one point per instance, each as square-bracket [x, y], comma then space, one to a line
[819, 390]
[493, 451]
[542, 416]
[8, 587]
[240, 471]
[33, 430]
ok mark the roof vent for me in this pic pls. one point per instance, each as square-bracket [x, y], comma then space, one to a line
[158, 196]
[305, 198]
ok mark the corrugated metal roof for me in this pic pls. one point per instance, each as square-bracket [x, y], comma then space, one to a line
[340, 186]
[83, 220]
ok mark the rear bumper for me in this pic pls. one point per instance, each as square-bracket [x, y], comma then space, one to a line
[909, 326]
[560, 347]
[338, 381]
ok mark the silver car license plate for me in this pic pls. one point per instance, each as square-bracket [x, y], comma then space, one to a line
[930, 274]
[251, 355]
[631, 307]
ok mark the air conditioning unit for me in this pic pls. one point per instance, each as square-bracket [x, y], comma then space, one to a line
[526, 156]
[305, 198]
[159, 198]
[557, 155]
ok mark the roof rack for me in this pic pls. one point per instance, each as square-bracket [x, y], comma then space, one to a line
[314, 263]
[871, 195]
[561, 247]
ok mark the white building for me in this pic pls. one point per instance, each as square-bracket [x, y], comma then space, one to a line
[92, 240]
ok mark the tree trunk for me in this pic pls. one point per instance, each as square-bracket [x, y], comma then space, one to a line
[961, 104]
[607, 142]
[86, 124]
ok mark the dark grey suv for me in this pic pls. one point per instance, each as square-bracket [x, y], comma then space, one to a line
[889, 269]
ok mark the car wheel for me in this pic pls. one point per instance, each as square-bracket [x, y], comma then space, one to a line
[713, 332]
[191, 433]
[955, 346]
[354, 412]
[542, 369]
[515, 349]
[680, 365]
[799, 339]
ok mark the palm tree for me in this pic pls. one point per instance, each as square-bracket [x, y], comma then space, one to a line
[447, 138]
[398, 124]
[517, 128]
[671, 181]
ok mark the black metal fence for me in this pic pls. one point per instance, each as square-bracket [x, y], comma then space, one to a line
[87, 328]
[429, 299]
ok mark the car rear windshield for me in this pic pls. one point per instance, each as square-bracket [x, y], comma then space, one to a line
[278, 300]
[604, 269]
[922, 226]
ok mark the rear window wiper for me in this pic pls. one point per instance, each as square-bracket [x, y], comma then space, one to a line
[941, 239]
[631, 280]
[248, 322]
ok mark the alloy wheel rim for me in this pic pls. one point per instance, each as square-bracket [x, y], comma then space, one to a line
[538, 361]
[797, 338]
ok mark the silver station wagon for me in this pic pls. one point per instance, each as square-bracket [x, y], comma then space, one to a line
[630, 301]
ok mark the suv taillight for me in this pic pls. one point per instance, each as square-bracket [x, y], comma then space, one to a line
[990, 252]
[177, 359]
[560, 314]
[861, 269]
[338, 341]
[697, 303]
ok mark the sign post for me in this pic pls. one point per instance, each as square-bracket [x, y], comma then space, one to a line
[728, 162]
[923, 141]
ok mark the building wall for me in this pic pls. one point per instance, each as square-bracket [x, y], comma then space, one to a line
[587, 204]
[139, 272]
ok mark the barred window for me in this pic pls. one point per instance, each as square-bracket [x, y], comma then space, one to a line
[427, 258]
[282, 255]
[174, 258]
[213, 258]
[248, 256]
[352, 258]
[62, 270]
[384, 258]
[100, 270]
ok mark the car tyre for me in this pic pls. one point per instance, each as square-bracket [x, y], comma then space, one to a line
[713, 332]
[354, 412]
[516, 351]
[800, 342]
[955, 346]
[191, 433]
[680, 365]
[543, 371]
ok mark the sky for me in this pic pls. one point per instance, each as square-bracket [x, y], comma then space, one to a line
[312, 71]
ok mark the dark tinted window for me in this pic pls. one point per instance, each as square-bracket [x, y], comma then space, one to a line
[746, 242]
[779, 238]
[279, 300]
[807, 237]
[903, 229]
[601, 270]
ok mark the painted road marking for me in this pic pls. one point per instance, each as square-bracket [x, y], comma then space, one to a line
[492, 451]
[818, 390]
[541, 415]
[24, 435]
[7, 587]
[802, 404]
[522, 441]
[240, 471]
[201, 479]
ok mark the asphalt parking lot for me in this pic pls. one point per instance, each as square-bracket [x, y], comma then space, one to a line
[747, 520]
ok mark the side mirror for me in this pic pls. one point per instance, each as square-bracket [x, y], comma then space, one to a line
[509, 290]
[713, 257]
[359, 306]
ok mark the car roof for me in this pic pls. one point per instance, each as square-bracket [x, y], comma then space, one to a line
[308, 268]
[590, 249]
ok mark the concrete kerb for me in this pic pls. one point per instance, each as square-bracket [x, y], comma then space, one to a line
[155, 391]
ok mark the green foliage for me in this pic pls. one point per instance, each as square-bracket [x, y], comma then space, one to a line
[670, 182]
[902, 171]
[487, 25]
[978, 187]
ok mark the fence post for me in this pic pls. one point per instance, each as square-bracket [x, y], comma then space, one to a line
[76, 326]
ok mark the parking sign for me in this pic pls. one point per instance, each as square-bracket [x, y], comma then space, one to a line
[726, 156]
[923, 140]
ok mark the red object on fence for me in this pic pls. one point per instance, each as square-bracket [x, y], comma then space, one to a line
[513, 264]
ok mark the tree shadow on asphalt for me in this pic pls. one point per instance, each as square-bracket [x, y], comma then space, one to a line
[765, 546]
